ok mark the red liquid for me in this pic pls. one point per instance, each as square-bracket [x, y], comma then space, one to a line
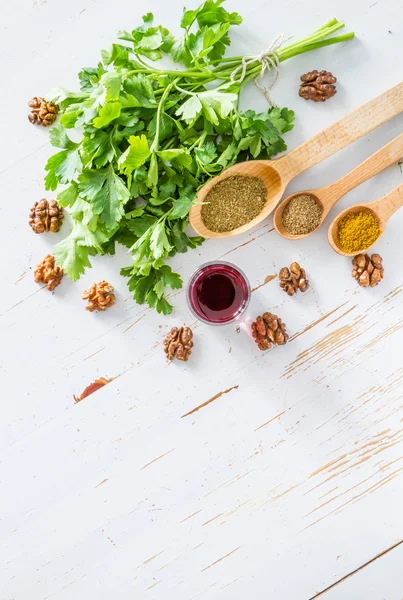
[218, 293]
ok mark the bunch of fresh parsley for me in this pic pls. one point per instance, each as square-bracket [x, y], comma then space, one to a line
[150, 137]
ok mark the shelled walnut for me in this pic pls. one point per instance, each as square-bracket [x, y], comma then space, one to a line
[268, 331]
[42, 112]
[367, 271]
[317, 86]
[46, 215]
[178, 343]
[99, 296]
[48, 272]
[293, 279]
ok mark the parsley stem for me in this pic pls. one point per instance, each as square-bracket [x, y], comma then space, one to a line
[315, 45]
[202, 138]
[317, 35]
[196, 143]
[156, 141]
[184, 91]
[219, 61]
[311, 43]
[160, 72]
[170, 143]
[143, 62]
[328, 24]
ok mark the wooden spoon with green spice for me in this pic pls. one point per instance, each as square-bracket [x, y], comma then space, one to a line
[327, 196]
[276, 174]
[381, 209]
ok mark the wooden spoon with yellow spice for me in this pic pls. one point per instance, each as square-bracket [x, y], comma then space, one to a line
[363, 222]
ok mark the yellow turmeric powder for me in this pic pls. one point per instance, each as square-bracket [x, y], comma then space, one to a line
[358, 231]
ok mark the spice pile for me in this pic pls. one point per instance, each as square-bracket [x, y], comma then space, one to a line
[233, 202]
[301, 215]
[357, 231]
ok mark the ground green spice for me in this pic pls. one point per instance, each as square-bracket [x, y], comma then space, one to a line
[301, 215]
[233, 202]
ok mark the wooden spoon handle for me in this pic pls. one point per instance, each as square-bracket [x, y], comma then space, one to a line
[357, 123]
[385, 207]
[382, 159]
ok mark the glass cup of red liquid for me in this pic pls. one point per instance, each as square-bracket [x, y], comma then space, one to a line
[218, 293]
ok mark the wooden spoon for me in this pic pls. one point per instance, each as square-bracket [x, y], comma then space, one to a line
[381, 209]
[276, 174]
[328, 195]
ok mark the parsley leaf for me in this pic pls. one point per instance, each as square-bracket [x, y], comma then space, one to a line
[179, 157]
[148, 40]
[140, 225]
[190, 110]
[62, 168]
[152, 178]
[213, 103]
[135, 155]
[108, 113]
[149, 287]
[181, 53]
[212, 12]
[206, 154]
[159, 243]
[181, 207]
[141, 88]
[72, 253]
[98, 147]
[89, 77]
[64, 98]
[60, 139]
[107, 194]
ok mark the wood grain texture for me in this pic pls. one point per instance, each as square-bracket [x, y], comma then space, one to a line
[281, 488]
[377, 580]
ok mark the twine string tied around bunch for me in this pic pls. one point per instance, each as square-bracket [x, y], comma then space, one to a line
[270, 62]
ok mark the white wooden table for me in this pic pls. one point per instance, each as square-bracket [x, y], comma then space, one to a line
[289, 484]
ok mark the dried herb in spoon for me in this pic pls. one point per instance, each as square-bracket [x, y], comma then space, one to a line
[233, 202]
[302, 215]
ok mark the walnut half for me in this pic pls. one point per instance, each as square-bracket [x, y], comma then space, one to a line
[178, 343]
[367, 271]
[48, 272]
[317, 86]
[293, 279]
